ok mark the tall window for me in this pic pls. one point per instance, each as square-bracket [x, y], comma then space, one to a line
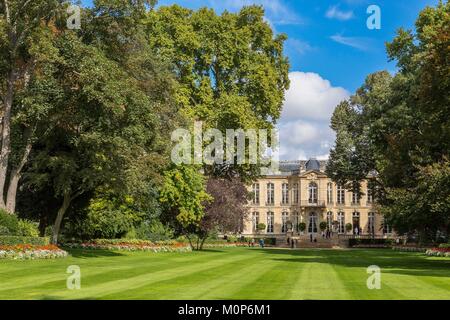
[340, 194]
[355, 222]
[312, 193]
[312, 228]
[329, 192]
[370, 191]
[255, 221]
[270, 222]
[295, 222]
[256, 193]
[330, 220]
[386, 227]
[341, 222]
[284, 219]
[285, 193]
[295, 192]
[371, 223]
[270, 193]
[355, 193]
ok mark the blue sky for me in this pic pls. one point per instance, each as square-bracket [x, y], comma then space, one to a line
[331, 51]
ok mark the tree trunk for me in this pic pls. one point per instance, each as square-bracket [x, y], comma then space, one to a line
[203, 242]
[59, 217]
[190, 242]
[6, 136]
[16, 174]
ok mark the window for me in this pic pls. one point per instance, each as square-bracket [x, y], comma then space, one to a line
[355, 193]
[256, 193]
[370, 191]
[270, 193]
[355, 223]
[284, 219]
[312, 193]
[386, 227]
[341, 222]
[312, 228]
[329, 192]
[340, 194]
[255, 221]
[371, 223]
[295, 222]
[270, 221]
[330, 220]
[285, 193]
[295, 192]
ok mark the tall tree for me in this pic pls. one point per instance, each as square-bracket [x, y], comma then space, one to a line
[26, 30]
[399, 127]
[230, 67]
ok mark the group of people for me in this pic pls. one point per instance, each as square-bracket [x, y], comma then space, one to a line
[327, 234]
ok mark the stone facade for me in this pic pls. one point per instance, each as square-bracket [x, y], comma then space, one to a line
[302, 192]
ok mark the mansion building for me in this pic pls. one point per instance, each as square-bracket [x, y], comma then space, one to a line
[300, 193]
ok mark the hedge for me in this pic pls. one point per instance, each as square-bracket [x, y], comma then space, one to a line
[379, 242]
[13, 240]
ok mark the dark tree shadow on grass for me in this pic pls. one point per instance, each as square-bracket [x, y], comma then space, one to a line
[87, 253]
[415, 264]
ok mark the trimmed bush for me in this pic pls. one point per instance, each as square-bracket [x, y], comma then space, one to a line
[302, 226]
[370, 242]
[14, 240]
[27, 228]
[9, 222]
[444, 245]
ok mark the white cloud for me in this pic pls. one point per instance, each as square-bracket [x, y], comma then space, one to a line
[335, 13]
[311, 97]
[359, 43]
[304, 124]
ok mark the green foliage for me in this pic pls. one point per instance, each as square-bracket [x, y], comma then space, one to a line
[184, 192]
[9, 222]
[261, 227]
[13, 240]
[348, 227]
[396, 130]
[154, 231]
[323, 226]
[230, 68]
[302, 226]
[27, 228]
[107, 216]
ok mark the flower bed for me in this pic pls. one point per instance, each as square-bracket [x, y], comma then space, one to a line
[130, 245]
[30, 251]
[438, 252]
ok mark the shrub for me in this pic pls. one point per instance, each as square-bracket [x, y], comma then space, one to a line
[9, 222]
[444, 245]
[323, 226]
[154, 231]
[4, 231]
[261, 227]
[302, 226]
[232, 239]
[348, 227]
[27, 228]
[270, 241]
[14, 240]
[370, 242]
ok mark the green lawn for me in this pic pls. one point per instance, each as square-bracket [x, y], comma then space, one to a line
[235, 273]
